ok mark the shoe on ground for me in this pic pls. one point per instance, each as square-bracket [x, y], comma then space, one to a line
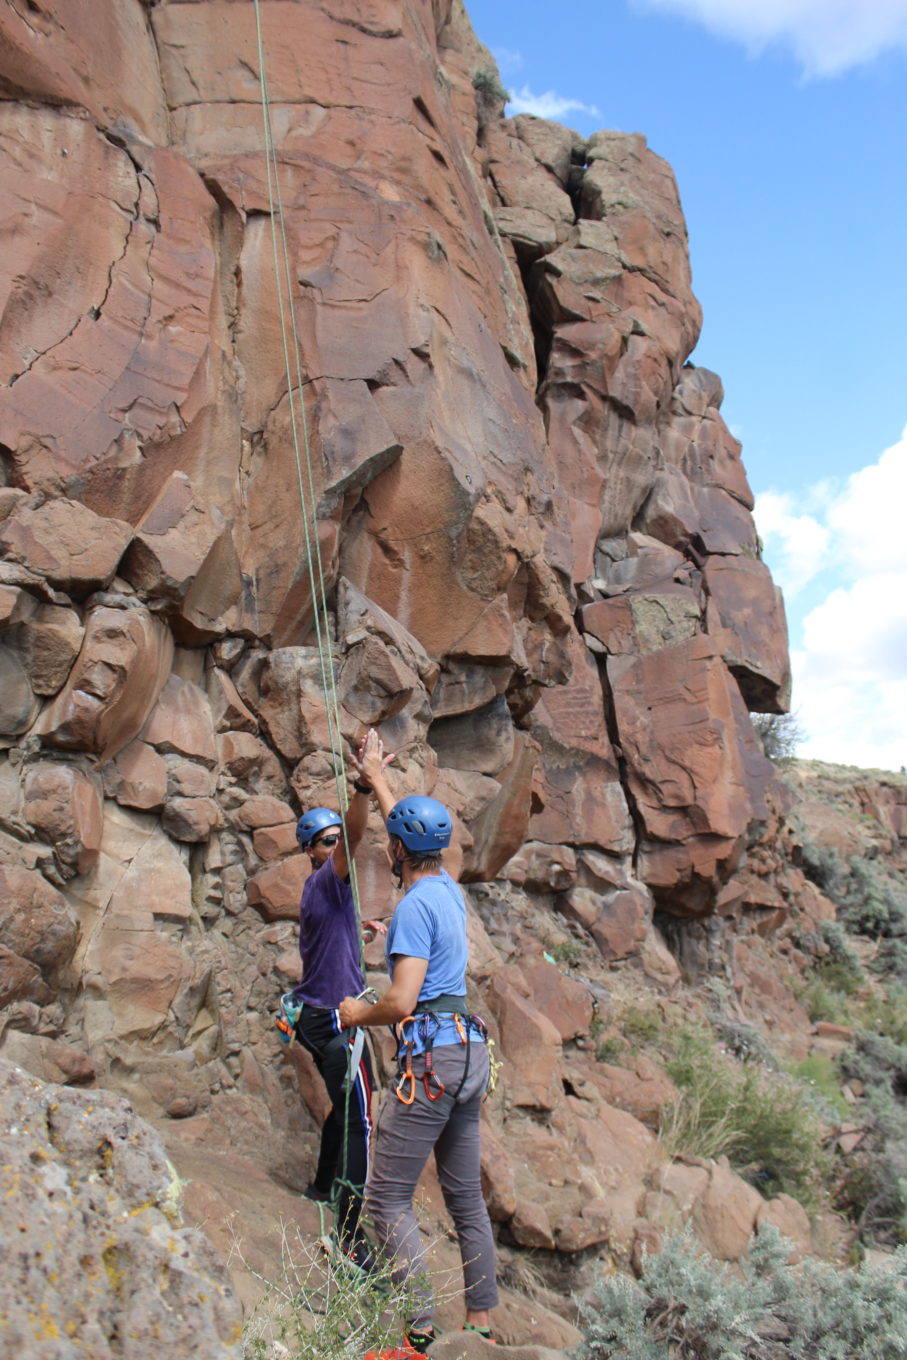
[483, 1332]
[318, 1196]
[404, 1352]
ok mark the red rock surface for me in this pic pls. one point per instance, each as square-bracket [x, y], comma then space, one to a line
[539, 572]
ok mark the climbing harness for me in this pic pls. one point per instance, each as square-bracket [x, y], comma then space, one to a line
[425, 1023]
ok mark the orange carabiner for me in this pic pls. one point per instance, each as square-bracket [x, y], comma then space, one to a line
[411, 1078]
[408, 1075]
[460, 1030]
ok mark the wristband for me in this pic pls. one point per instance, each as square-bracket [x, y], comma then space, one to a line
[362, 788]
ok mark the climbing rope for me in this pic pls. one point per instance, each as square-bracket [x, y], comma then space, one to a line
[306, 486]
[307, 498]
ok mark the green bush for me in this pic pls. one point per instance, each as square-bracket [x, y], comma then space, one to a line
[779, 734]
[822, 1080]
[821, 864]
[763, 1122]
[321, 1308]
[872, 903]
[887, 1014]
[821, 1001]
[874, 1188]
[688, 1307]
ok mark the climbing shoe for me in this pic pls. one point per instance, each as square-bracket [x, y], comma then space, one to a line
[419, 1342]
[405, 1352]
[319, 1196]
[483, 1332]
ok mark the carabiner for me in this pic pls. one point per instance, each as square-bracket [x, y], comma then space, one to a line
[430, 1076]
[401, 1081]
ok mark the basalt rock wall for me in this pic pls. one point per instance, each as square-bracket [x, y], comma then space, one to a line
[541, 573]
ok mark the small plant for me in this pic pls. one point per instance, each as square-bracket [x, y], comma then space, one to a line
[874, 1189]
[821, 1077]
[321, 1307]
[779, 734]
[639, 1025]
[490, 92]
[823, 1002]
[688, 1307]
[821, 863]
[887, 1013]
[568, 951]
[609, 1051]
[760, 1120]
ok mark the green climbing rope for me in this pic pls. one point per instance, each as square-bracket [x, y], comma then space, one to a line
[306, 489]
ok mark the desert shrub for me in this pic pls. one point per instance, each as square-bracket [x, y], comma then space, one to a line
[568, 951]
[822, 1001]
[886, 1013]
[609, 1051]
[321, 1308]
[821, 864]
[821, 1080]
[743, 1041]
[871, 902]
[491, 95]
[874, 1187]
[763, 1122]
[779, 734]
[688, 1307]
[640, 1025]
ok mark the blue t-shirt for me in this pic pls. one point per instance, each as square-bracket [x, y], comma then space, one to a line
[328, 940]
[430, 923]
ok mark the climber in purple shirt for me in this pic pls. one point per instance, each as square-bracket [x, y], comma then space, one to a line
[331, 969]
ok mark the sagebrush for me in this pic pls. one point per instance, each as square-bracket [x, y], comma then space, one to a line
[687, 1306]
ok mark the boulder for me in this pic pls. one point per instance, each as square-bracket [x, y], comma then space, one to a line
[562, 999]
[18, 704]
[49, 644]
[181, 724]
[113, 685]
[137, 777]
[93, 1201]
[66, 543]
[746, 618]
[36, 922]
[531, 1045]
[64, 807]
[276, 891]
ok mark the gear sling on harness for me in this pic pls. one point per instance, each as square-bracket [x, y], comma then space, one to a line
[427, 1016]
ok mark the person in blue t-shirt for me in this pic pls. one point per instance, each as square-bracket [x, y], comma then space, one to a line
[444, 1060]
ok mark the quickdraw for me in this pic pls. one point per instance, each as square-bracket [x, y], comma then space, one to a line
[405, 1090]
[407, 1075]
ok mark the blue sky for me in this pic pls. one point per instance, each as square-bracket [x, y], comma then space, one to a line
[786, 124]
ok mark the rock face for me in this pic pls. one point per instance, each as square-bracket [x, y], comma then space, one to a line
[491, 508]
[98, 1263]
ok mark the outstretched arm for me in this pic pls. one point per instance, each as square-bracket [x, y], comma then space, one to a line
[356, 819]
[373, 763]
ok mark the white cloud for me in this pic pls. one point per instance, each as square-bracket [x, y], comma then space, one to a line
[509, 59]
[867, 520]
[797, 544]
[548, 105]
[850, 671]
[826, 36]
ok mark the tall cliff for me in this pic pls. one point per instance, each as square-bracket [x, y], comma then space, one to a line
[542, 575]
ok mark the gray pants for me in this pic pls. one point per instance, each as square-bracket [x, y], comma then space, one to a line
[406, 1134]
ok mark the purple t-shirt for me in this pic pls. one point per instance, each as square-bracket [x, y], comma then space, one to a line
[328, 940]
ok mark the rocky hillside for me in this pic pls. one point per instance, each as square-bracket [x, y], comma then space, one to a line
[538, 574]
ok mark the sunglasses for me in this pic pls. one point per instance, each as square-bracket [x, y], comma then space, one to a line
[329, 841]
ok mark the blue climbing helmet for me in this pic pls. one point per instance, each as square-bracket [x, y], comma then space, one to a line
[310, 823]
[423, 824]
